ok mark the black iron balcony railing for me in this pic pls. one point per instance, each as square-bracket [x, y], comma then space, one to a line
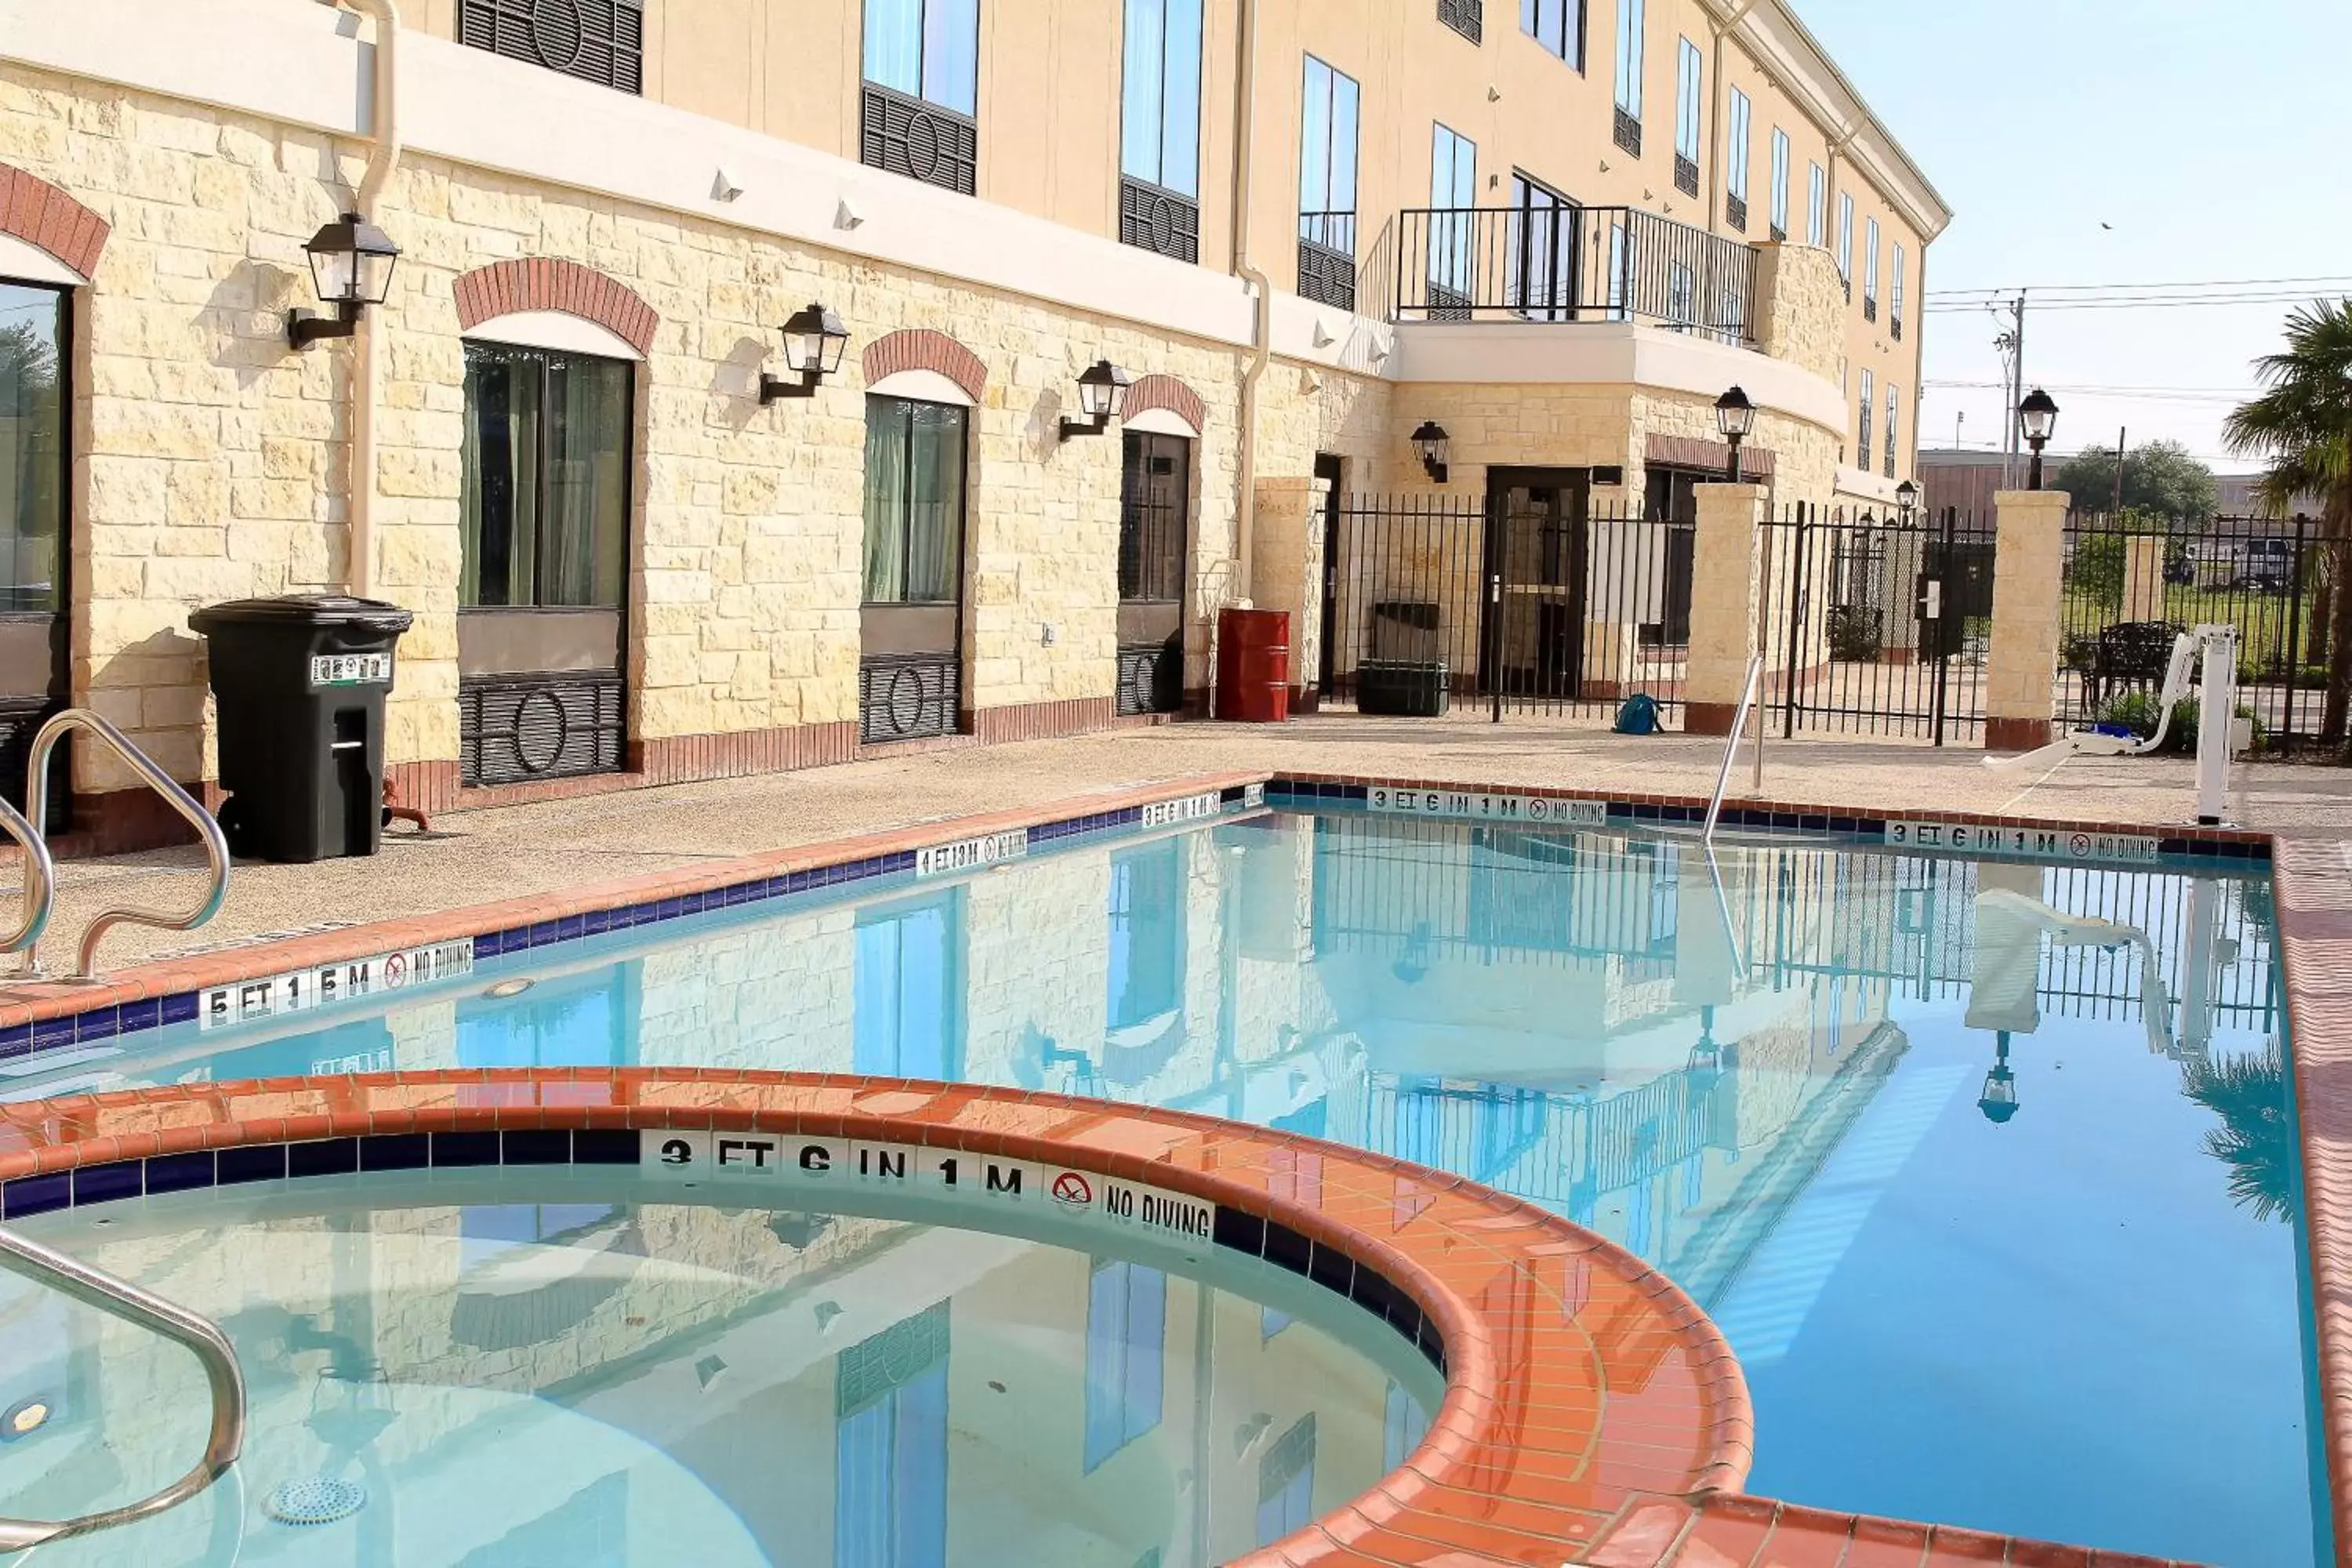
[1734, 212]
[918, 139]
[1685, 174]
[1153, 217]
[1628, 133]
[1571, 264]
[1466, 17]
[1895, 325]
[1870, 307]
[1327, 258]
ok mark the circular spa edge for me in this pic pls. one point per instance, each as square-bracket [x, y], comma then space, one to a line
[1581, 1384]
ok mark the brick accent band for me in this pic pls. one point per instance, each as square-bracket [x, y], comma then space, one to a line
[2016, 735]
[921, 348]
[1158, 392]
[548, 283]
[1756, 463]
[39, 213]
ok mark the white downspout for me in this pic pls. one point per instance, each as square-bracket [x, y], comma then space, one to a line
[385, 133]
[1262, 329]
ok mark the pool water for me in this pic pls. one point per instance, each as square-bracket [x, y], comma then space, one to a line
[564, 1369]
[1986, 1168]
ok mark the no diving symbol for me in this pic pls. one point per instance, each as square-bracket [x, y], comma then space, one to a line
[1073, 1191]
[2080, 843]
[396, 968]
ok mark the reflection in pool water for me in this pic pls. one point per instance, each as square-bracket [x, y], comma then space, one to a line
[1985, 1169]
[568, 1368]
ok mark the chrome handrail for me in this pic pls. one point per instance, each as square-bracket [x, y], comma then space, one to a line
[40, 878]
[118, 1297]
[1731, 745]
[163, 784]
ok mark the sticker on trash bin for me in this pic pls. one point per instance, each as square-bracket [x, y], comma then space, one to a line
[351, 668]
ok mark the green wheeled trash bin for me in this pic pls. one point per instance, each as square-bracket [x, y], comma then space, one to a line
[300, 683]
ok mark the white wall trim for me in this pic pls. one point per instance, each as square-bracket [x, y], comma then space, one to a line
[1161, 422]
[553, 330]
[28, 263]
[1867, 486]
[923, 386]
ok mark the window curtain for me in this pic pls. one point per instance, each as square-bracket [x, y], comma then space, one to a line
[499, 471]
[894, 43]
[1160, 109]
[908, 1019]
[32, 447]
[545, 482]
[952, 54]
[587, 475]
[934, 501]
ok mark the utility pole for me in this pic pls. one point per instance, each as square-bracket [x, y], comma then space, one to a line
[2011, 344]
[2120, 434]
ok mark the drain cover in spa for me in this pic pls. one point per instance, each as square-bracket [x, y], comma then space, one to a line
[321, 1500]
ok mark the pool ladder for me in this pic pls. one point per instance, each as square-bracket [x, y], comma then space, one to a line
[95, 1287]
[29, 829]
[1739, 718]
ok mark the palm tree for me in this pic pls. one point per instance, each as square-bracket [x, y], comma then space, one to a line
[2255, 1139]
[2302, 424]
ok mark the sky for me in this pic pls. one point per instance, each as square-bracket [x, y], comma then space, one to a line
[2209, 133]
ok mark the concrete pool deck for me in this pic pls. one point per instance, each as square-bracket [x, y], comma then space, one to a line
[505, 852]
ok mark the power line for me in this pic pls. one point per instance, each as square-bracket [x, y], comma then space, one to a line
[2191, 301]
[2003, 293]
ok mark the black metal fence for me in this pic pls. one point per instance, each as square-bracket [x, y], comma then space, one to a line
[1877, 623]
[2133, 584]
[1569, 264]
[1531, 601]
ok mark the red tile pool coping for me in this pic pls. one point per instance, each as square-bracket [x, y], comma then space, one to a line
[1537, 1457]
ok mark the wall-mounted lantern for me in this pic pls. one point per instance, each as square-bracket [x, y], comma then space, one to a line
[815, 341]
[1102, 394]
[1999, 1100]
[351, 266]
[1431, 444]
[1735, 417]
[2037, 417]
[1906, 496]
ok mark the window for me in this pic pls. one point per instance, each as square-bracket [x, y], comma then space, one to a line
[1779, 184]
[1453, 192]
[1868, 403]
[1155, 485]
[1846, 241]
[1689, 113]
[1817, 207]
[602, 41]
[1895, 301]
[1681, 296]
[1467, 17]
[1127, 1326]
[1285, 1483]
[1557, 26]
[1621, 261]
[1148, 909]
[32, 450]
[563, 1022]
[1734, 162]
[1542, 251]
[544, 478]
[922, 90]
[1870, 271]
[1327, 186]
[1403, 1425]
[907, 1015]
[1894, 416]
[890, 1447]
[1159, 128]
[914, 501]
[1630, 22]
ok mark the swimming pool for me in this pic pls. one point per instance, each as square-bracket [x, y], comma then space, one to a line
[558, 1365]
[1984, 1166]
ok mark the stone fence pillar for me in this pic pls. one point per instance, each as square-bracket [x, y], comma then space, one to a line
[2027, 573]
[1726, 586]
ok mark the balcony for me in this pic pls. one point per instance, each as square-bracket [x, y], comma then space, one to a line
[1571, 264]
[1466, 17]
[1153, 217]
[1327, 258]
[1870, 307]
[1734, 212]
[1685, 174]
[1895, 325]
[918, 139]
[1628, 134]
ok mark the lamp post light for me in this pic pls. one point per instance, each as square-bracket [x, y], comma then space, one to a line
[2037, 417]
[1999, 1101]
[1102, 392]
[1734, 416]
[1906, 496]
[351, 266]
[1430, 444]
[815, 341]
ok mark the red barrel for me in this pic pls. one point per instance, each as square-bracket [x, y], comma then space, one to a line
[1253, 666]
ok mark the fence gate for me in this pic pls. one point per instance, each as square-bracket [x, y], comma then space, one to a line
[2133, 584]
[1877, 624]
[1529, 600]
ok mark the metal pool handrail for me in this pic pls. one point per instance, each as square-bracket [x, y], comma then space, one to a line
[1731, 745]
[40, 879]
[163, 784]
[95, 1288]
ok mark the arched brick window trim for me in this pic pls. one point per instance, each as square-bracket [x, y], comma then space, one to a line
[921, 348]
[1156, 392]
[39, 213]
[545, 283]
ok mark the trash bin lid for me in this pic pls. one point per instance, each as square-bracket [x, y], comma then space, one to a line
[304, 610]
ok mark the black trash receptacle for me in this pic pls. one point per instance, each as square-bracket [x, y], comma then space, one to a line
[300, 682]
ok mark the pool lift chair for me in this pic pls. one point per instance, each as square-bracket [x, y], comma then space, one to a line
[2004, 983]
[2220, 733]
